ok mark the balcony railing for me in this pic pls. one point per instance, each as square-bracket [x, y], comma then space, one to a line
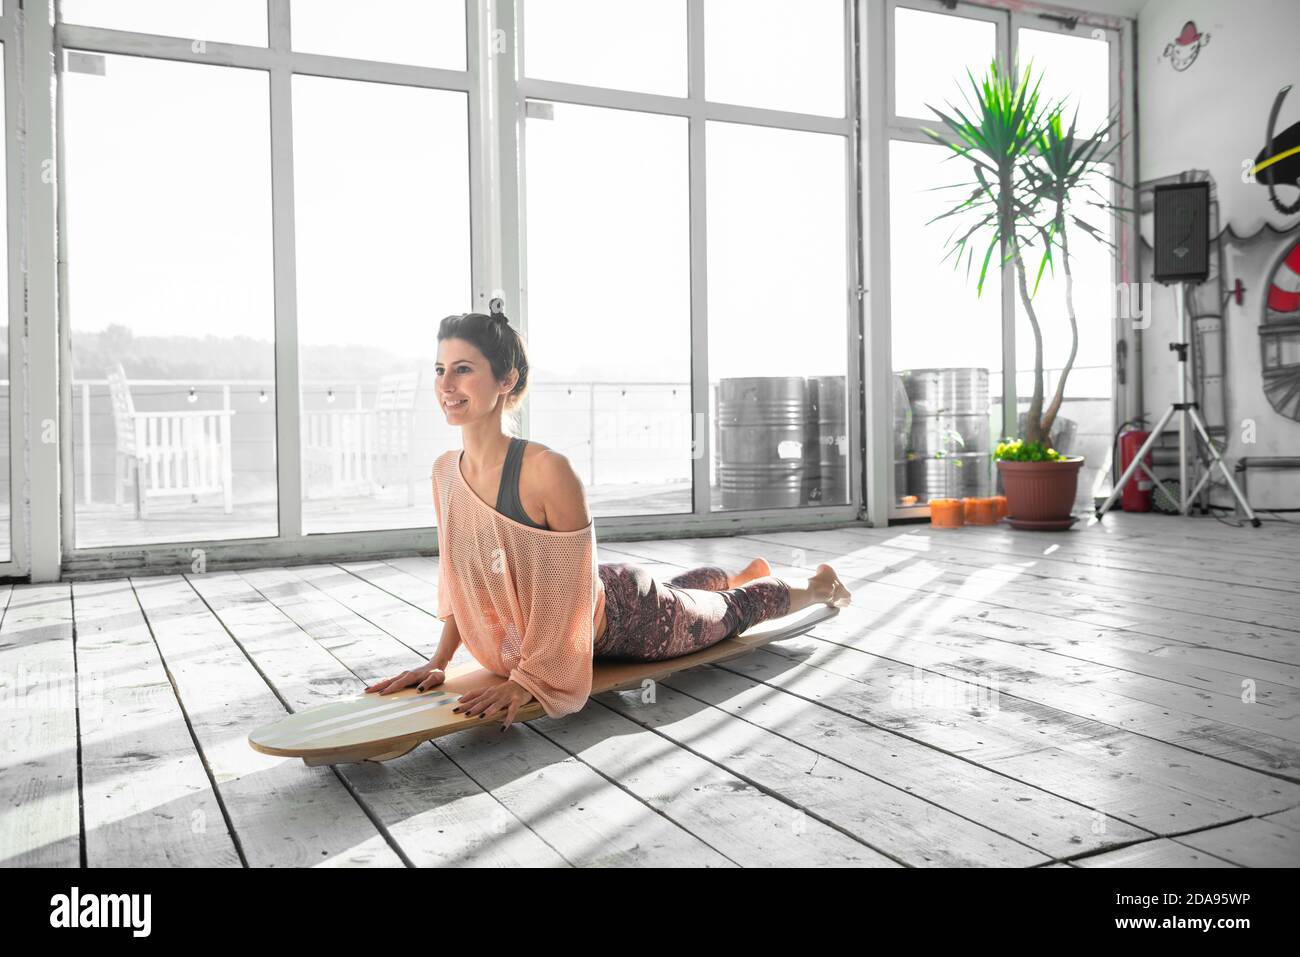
[614, 431]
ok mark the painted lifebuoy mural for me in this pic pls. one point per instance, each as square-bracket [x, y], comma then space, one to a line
[1278, 165]
[1279, 336]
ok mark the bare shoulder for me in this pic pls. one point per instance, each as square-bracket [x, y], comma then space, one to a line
[563, 497]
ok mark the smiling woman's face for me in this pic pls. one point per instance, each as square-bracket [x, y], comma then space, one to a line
[466, 387]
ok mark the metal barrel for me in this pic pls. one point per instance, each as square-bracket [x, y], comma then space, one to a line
[764, 431]
[952, 476]
[950, 451]
[941, 390]
[828, 459]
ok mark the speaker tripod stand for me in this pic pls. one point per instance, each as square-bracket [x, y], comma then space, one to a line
[1186, 411]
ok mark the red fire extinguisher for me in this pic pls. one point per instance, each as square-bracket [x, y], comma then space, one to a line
[1136, 496]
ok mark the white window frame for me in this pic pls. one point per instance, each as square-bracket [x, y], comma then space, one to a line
[281, 63]
[699, 111]
[497, 97]
[884, 126]
[11, 37]
[42, 506]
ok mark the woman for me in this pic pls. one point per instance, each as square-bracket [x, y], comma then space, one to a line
[518, 581]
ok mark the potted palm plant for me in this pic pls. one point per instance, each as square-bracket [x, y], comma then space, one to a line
[1027, 171]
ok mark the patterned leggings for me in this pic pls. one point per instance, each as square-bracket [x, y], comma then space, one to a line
[649, 620]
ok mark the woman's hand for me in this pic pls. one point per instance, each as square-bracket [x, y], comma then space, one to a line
[424, 678]
[488, 701]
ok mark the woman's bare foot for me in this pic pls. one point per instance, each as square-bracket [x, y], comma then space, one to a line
[828, 587]
[758, 568]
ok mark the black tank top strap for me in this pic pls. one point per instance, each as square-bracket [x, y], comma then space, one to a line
[508, 502]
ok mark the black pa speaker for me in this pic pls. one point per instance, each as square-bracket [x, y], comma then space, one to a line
[1182, 235]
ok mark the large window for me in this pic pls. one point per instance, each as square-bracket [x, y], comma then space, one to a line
[167, 185]
[777, 315]
[1087, 410]
[688, 260]
[947, 342]
[381, 183]
[609, 302]
[963, 365]
[267, 206]
[267, 216]
[299, 204]
[1077, 66]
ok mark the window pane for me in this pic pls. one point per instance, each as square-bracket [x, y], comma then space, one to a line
[1085, 415]
[778, 54]
[381, 198]
[609, 304]
[947, 342]
[231, 21]
[1077, 67]
[932, 52]
[168, 188]
[422, 32]
[587, 42]
[778, 314]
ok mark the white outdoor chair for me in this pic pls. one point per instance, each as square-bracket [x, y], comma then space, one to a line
[395, 425]
[354, 445]
[168, 453]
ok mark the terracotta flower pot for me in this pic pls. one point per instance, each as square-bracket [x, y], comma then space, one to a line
[1040, 495]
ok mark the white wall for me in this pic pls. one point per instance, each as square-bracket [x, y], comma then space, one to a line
[1213, 116]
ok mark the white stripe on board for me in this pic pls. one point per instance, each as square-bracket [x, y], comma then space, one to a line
[297, 738]
[387, 706]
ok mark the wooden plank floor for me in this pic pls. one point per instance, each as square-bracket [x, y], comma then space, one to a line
[1126, 694]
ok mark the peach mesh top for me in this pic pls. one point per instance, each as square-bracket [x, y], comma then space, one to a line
[526, 600]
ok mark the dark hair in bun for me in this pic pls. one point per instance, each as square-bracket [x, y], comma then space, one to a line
[499, 341]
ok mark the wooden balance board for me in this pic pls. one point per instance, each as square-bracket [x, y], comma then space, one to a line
[375, 727]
